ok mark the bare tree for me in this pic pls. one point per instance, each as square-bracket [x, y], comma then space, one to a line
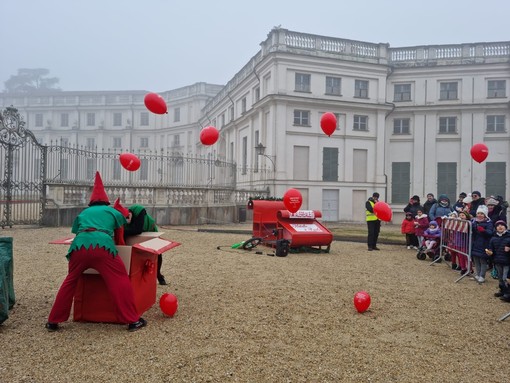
[31, 80]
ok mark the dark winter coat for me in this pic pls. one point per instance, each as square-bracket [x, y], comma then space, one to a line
[497, 214]
[497, 245]
[413, 208]
[482, 233]
[428, 205]
[474, 206]
[458, 206]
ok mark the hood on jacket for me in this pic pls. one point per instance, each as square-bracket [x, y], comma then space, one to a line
[443, 200]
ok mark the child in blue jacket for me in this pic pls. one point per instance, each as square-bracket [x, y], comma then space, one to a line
[499, 250]
[482, 230]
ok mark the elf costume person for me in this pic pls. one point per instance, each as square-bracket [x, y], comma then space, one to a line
[118, 235]
[94, 247]
[141, 221]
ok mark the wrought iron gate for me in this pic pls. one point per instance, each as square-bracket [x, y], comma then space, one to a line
[22, 166]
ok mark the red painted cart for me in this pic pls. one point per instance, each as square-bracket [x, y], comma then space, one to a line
[272, 222]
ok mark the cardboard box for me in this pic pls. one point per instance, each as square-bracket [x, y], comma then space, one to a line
[92, 302]
[145, 236]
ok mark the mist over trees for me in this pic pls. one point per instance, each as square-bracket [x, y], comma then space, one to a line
[30, 80]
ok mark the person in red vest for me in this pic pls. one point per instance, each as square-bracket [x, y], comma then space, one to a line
[94, 247]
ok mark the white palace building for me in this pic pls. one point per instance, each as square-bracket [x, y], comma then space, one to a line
[407, 119]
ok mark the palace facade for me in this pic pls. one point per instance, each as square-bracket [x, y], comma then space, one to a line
[407, 119]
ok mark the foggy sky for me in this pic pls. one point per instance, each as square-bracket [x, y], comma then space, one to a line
[159, 45]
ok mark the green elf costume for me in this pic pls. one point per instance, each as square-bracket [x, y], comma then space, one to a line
[141, 221]
[94, 247]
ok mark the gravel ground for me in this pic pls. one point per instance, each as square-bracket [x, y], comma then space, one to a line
[245, 317]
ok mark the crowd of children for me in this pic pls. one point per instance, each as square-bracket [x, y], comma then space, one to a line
[490, 237]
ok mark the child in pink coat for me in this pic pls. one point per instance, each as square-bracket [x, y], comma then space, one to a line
[421, 223]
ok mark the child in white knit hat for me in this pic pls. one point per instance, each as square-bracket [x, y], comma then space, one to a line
[482, 231]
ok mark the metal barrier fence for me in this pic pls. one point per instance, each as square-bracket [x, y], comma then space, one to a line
[456, 235]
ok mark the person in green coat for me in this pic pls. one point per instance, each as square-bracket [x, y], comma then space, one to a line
[94, 247]
[140, 221]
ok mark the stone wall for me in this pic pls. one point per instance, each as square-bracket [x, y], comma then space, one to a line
[164, 215]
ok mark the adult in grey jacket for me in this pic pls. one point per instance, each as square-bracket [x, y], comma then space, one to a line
[440, 209]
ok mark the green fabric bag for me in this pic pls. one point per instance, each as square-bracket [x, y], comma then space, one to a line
[7, 299]
[494, 273]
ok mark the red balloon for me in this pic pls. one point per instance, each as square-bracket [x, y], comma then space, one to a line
[155, 103]
[328, 123]
[292, 199]
[479, 152]
[168, 304]
[129, 161]
[362, 301]
[209, 135]
[383, 211]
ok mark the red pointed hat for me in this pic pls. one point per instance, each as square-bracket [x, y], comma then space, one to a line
[118, 206]
[98, 192]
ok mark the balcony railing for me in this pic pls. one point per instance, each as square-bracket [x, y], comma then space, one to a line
[283, 40]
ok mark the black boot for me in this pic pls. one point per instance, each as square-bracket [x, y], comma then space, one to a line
[135, 326]
[504, 291]
[52, 327]
[161, 278]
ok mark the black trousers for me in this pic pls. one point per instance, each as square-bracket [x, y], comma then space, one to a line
[160, 261]
[374, 227]
[411, 240]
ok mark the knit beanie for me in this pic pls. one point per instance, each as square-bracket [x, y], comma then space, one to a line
[491, 201]
[483, 209]
[501, 222]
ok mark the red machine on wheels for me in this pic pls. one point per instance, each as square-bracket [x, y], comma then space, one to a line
[272, 222]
